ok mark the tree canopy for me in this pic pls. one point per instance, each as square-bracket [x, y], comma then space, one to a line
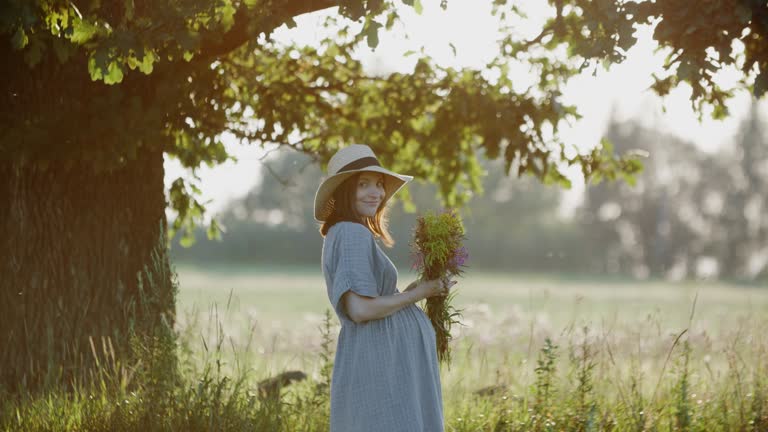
[102, 81]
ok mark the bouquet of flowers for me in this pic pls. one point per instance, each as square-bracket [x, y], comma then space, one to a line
[438, 252]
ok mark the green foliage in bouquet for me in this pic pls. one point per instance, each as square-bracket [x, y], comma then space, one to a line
[438, 252]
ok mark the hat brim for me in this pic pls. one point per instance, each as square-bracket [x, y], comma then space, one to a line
[393, 182]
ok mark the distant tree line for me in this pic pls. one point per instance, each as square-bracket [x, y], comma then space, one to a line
[689, 214]
[513, 225]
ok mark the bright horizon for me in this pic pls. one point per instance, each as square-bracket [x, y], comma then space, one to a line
[470, 28]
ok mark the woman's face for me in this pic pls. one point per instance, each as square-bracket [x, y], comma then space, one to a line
[370, 193]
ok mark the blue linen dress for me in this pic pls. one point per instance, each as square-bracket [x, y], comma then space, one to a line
[385, 376]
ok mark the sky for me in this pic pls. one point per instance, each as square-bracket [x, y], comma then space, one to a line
[469, 26]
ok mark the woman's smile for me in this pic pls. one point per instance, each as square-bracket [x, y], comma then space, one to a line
[370, 193]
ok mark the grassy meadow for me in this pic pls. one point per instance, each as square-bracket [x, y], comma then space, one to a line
[631, 326]
[281, 311]
[535, 352]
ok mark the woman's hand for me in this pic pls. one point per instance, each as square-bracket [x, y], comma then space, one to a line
[435, 287]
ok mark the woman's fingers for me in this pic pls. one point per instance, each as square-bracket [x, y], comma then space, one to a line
[450, 285]
[446, 284]
[441, 286]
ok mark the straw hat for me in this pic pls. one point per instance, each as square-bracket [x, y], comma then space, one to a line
[344, 164]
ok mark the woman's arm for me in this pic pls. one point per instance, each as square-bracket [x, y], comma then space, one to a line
[361, 309]
[411, 286]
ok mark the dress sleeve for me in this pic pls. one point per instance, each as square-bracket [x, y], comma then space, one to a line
[352, 265]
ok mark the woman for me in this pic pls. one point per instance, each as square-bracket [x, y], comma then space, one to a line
[385, 375]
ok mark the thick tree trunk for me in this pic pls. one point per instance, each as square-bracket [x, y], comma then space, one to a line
[83, 264]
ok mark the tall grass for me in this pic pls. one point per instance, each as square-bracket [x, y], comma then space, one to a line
[588, 379]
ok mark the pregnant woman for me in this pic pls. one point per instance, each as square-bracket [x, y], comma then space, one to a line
[385, 375]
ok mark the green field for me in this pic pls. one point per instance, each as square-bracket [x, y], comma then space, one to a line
[271, 318]
[289, 294]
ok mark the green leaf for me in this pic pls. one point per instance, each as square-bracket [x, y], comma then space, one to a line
[114, 74]
[82, 31]
[332, 50]
[19, 39]
[102, 67]
[227, 16]
[147, 64]
[58, 21]
[596, 178]
[417, 6]
[630, 179]
[391, 18]
[94, 70]
[720, 111]
[214, 230]
[371, 30]
[606, 147]
[560, 179]
[188, 238]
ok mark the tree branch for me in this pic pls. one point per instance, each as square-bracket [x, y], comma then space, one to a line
[248, 24]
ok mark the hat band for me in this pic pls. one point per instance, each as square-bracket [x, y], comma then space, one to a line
[360, 163]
